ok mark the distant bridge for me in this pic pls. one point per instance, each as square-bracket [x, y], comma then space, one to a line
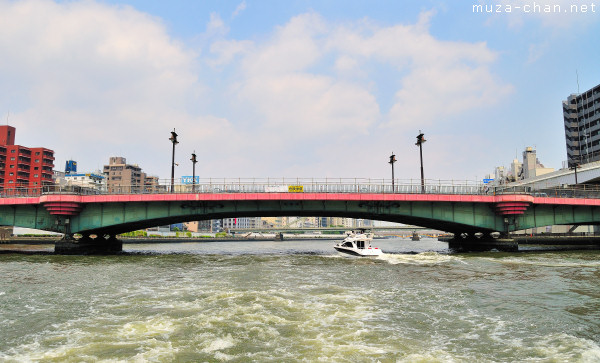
[466, 210]
[325, 229]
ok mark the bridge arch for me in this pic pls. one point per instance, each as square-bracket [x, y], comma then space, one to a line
[455, 213]
[450, 216]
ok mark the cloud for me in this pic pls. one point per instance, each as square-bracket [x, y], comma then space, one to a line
[226, 50]
[239, 9]
[537, 51]
[304, 100]
[103, 79]
[311, 89]
[216, 26]
[293, 47]
[287, 82]
[454, 75]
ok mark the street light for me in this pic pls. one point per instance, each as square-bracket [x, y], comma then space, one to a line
[420, 141]
[575, 166]
[194, 161]
[392, 161]
[173, 139]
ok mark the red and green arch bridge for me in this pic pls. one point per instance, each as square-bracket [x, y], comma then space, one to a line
[473, 217]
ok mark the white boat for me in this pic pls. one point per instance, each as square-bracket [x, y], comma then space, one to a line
[358, 243]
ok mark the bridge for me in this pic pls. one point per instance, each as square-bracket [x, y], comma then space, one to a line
[472, 212]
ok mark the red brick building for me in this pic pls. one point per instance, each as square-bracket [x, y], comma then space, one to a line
[20, 166]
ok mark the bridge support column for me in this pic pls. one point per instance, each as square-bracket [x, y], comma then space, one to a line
[473, 242]
[86, 245]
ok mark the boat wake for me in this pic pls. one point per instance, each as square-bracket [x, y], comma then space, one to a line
[424, 258]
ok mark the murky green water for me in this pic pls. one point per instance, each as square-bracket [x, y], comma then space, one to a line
[300, 301]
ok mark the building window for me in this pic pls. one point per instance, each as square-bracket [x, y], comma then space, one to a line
[12, 159]
[12, 151]
[35, 175]
[11, 174]
[37, 153]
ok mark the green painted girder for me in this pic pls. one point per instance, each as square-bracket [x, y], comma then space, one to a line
[542, 215]
[451, 213]
[123, 217]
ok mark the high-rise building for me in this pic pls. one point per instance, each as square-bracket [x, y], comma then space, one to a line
[23, 167]
[531, 166]
[71, 167]
[581, 114]
[126, 178]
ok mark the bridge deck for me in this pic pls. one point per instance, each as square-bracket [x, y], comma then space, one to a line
[168, 197]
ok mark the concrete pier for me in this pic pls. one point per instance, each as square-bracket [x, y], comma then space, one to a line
[88, 246]
[472, 243]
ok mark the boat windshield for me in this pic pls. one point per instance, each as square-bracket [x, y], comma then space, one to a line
[347, 244]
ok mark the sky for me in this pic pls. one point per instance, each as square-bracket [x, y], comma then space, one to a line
[296, 89]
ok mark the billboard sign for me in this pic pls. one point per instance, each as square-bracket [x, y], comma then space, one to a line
[189, 180]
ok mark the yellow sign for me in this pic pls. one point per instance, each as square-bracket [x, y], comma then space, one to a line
[296, 188]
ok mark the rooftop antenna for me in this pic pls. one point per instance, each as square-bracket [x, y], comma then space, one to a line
[7, 116]
[577, 75]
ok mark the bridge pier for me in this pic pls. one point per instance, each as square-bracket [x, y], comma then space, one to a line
[86, 245]
[474, 242]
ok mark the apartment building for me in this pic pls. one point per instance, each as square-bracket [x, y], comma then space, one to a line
[581, 114]
[23, 167]
[127, 178]
[242, 222]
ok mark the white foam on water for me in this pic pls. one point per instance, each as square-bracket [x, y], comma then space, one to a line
[541, 261]
[153, 351]
[223, 357]
[424, 258]
[82, 340]
[220, 344]
[437, 356]
[567, 348]
[155, 326]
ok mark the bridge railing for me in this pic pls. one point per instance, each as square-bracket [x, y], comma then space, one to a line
[305, 185]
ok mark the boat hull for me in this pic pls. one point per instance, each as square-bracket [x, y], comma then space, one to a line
[372, 252]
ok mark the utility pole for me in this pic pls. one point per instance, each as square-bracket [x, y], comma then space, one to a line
[173, 139]
[420, 141]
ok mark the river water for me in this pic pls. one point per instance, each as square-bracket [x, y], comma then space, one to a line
[299, 301]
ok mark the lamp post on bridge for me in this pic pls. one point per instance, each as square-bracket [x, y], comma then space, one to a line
[194, 161]
[575, 167]
[420, 141]
[392, 161]
[173, 139]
